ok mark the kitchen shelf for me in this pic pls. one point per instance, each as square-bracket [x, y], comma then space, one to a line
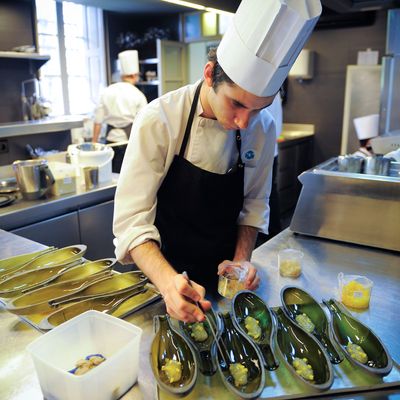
[149, 61]
[148, 83]
[38, 59]
[56, 124]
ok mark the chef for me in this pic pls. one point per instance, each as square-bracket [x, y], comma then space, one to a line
[192, 189]
[119, 105]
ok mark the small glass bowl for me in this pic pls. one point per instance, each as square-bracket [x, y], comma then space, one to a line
[232, 280]
[290, 262]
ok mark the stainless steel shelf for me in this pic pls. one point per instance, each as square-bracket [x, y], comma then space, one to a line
[148, 83]
[36, 58]
[21, 128]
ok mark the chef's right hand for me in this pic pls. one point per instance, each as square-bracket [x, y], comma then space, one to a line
[179, 298]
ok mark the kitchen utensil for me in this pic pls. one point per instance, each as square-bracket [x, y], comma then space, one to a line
[205, 346]
[11, 264]
[49, 258]
[93, 155]
[6, 199]
[8, 185]
[377, 165]
[295, 344]
[105, 304]
[309, 315]
[172, 358]
[350, 164]
[244, 375]
[348, 330]
[34, 178]
[210, 323]
[115, 284]
[247, 304]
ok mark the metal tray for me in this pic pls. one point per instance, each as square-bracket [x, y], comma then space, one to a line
[121, 312]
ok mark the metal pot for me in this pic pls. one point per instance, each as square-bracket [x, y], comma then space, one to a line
[377, 165]
[34, 178]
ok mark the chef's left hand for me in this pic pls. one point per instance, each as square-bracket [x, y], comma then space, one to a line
[252, 281]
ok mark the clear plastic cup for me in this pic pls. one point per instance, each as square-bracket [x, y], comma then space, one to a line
[290, 262]
[232, 280]
[354, 290]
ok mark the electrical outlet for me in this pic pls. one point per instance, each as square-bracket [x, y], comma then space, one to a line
[4, 146]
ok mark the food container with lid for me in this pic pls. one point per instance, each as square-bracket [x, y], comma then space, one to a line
[56, 353]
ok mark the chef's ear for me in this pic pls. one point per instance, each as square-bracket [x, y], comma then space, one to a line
[208, 73]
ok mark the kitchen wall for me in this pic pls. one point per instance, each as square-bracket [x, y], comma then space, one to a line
[16, 29]
[320, 101]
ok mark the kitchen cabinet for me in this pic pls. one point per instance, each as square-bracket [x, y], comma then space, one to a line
[95, 226]
[59, 232]
[91, 226]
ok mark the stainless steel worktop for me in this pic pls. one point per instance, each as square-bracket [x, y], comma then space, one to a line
[323, 260]
[26, 212]
[52, 124]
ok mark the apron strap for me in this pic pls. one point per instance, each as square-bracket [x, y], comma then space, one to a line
[190, 120]
[239, 163]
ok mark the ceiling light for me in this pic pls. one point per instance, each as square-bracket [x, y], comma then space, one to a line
[197, 6]
[185, 4]
[215, 10]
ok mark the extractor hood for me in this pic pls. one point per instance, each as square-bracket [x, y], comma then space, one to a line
[348, 6]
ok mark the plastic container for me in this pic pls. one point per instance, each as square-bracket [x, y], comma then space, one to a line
[354, 290]
[92, 155]
[290, 262]
[56, 352]
[64, 178]
[232, 280]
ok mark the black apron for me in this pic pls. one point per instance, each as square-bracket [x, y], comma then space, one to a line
[119, 151]
[197, 213]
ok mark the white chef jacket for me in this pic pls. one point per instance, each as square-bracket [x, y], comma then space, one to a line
[157, 134]
[118, 106]
[275, 110]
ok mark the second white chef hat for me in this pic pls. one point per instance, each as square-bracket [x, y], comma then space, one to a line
[264, 40]
[129, 62]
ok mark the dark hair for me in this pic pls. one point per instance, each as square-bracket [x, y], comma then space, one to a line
[218, 74]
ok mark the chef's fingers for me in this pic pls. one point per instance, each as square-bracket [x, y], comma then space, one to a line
[192, 290]
[205, 304]
[252, 279]
[227, 263]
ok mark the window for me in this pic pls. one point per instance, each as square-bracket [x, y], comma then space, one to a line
[72, 34]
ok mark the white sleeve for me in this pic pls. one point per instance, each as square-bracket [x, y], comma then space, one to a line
[258, 178]
[99, 112]
[144, 167]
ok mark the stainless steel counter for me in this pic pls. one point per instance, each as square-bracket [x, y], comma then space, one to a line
[26, 212]
[56, 124]
[323, 260]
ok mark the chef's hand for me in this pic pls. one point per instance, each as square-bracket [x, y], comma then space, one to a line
[252, 281]
[179, 298]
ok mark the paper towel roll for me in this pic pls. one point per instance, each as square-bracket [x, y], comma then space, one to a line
[367, 126]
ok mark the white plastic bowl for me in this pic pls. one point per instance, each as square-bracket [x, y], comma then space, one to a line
[56, 352]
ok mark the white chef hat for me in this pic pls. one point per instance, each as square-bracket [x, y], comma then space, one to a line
[129, 62]
[263, 41]
[367, 127]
